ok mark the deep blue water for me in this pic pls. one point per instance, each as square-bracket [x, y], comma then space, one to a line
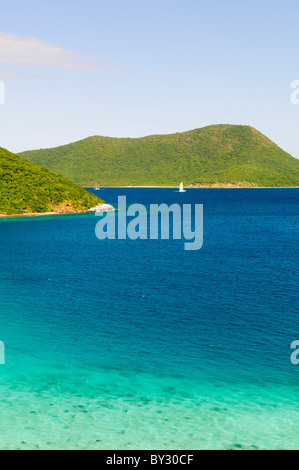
[141, 344]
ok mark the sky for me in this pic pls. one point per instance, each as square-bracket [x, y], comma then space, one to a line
[130, 68]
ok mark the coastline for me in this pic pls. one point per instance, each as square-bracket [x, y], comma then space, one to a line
[111, 208]
[40, 214]
[99, 208]
[199, 187]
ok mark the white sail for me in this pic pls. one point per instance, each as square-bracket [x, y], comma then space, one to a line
[182, 188]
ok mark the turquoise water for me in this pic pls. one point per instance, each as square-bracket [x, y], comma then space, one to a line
[142, 345]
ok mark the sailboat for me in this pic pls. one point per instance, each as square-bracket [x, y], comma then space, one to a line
[97, 188]
[182, 190]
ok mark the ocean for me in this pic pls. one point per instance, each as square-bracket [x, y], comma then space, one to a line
[139, 344]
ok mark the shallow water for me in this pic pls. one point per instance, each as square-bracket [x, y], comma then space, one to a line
[142, 345]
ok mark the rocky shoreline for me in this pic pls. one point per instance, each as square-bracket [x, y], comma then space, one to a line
[102, 208]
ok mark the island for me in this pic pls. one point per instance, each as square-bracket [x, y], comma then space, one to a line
[228, 156]
[27, 189]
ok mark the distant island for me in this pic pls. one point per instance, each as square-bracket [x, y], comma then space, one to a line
[28, 189]
[213, 156]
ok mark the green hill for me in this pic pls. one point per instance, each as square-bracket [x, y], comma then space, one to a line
[28, 188]
[222, 154]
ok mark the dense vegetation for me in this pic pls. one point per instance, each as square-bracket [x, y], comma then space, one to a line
[28, 188]
[215, 154]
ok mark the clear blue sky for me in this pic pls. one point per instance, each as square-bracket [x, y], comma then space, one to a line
[131, 68]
